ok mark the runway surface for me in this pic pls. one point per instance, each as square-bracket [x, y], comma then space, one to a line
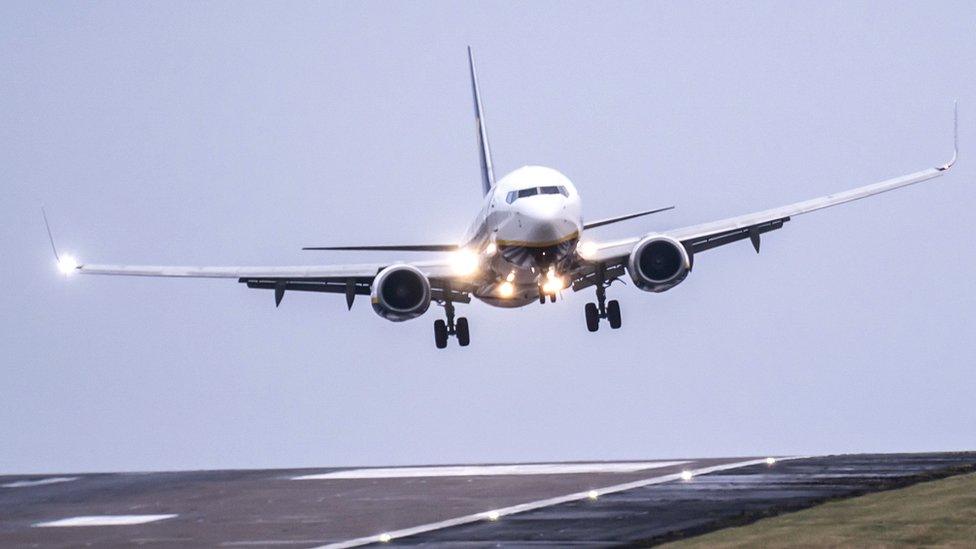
[512, 505]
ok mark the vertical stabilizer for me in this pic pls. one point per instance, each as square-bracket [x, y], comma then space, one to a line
[484, 151]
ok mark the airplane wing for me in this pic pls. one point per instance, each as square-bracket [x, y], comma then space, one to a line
[619, 218]
[350, 280]
[705, 236]
[391, 248]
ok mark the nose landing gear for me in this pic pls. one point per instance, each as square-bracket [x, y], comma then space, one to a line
[443, 330]
[543, 295]
[610, 310]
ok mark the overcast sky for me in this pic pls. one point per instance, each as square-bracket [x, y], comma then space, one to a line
[235, 133]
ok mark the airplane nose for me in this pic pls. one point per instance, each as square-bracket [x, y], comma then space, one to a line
[541, 209]
[544, 219]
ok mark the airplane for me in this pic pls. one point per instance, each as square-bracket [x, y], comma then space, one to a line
[527, 243]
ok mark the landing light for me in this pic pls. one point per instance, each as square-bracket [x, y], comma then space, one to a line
[385, 538]
[770, 461]
[491, 248]
[586, 249]
[464, 262]
[493, 515]
[553, 285]
[506, 289]
[592, 494]
[686, 475]
[67, 264]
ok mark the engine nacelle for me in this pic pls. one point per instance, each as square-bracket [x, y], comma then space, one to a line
[658, 263]
[400, 292]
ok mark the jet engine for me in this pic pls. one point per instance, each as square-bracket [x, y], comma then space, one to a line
[658, 263]
[400, 292]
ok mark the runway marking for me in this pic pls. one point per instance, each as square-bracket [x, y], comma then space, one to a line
[103, 520]
[491, 470]
[41, 482]
[521, 508]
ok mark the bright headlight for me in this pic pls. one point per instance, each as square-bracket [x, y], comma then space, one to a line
[586, 249]
[553, 285]
[464, 262]
[506, 289]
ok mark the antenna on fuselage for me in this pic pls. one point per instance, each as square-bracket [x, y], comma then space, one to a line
[484, 150]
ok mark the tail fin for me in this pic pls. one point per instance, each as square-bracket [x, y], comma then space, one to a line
[487, 169]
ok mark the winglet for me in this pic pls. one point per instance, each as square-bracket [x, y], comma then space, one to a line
[50, 237]
[66, 263]
[955, 137]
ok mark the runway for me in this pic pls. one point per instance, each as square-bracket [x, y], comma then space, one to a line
[636, 502]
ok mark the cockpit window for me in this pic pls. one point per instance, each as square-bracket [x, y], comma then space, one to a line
[512, 196]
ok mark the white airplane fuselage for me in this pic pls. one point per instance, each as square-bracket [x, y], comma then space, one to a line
[526, 231]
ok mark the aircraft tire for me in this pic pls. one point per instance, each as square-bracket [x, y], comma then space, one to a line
[463, 334]
[440, 334]
[613, 314]
[592, 317]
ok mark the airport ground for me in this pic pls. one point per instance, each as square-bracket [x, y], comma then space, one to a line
[938, 513]
[597, 504]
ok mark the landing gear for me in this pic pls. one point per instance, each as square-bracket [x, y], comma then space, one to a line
[444, 329]
[543, 296]
[609, 310]
[613, 314]
[592, 317]
[440, 333]
[461, 330]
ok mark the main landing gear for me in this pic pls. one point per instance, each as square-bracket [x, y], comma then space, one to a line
[443, 330]
[609, 310]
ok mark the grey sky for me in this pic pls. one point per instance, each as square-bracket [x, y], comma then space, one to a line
[192, 133]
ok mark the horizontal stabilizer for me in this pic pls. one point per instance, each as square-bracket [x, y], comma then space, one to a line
[405, 248]
[602, 222]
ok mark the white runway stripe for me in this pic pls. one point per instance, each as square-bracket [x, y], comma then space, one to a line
[497, 514]
[103, 520]
[41, 482]
[491, 470]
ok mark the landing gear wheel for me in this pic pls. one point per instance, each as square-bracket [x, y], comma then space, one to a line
[463, 335]
[592, 317]
[440, 334]
[613, 314]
